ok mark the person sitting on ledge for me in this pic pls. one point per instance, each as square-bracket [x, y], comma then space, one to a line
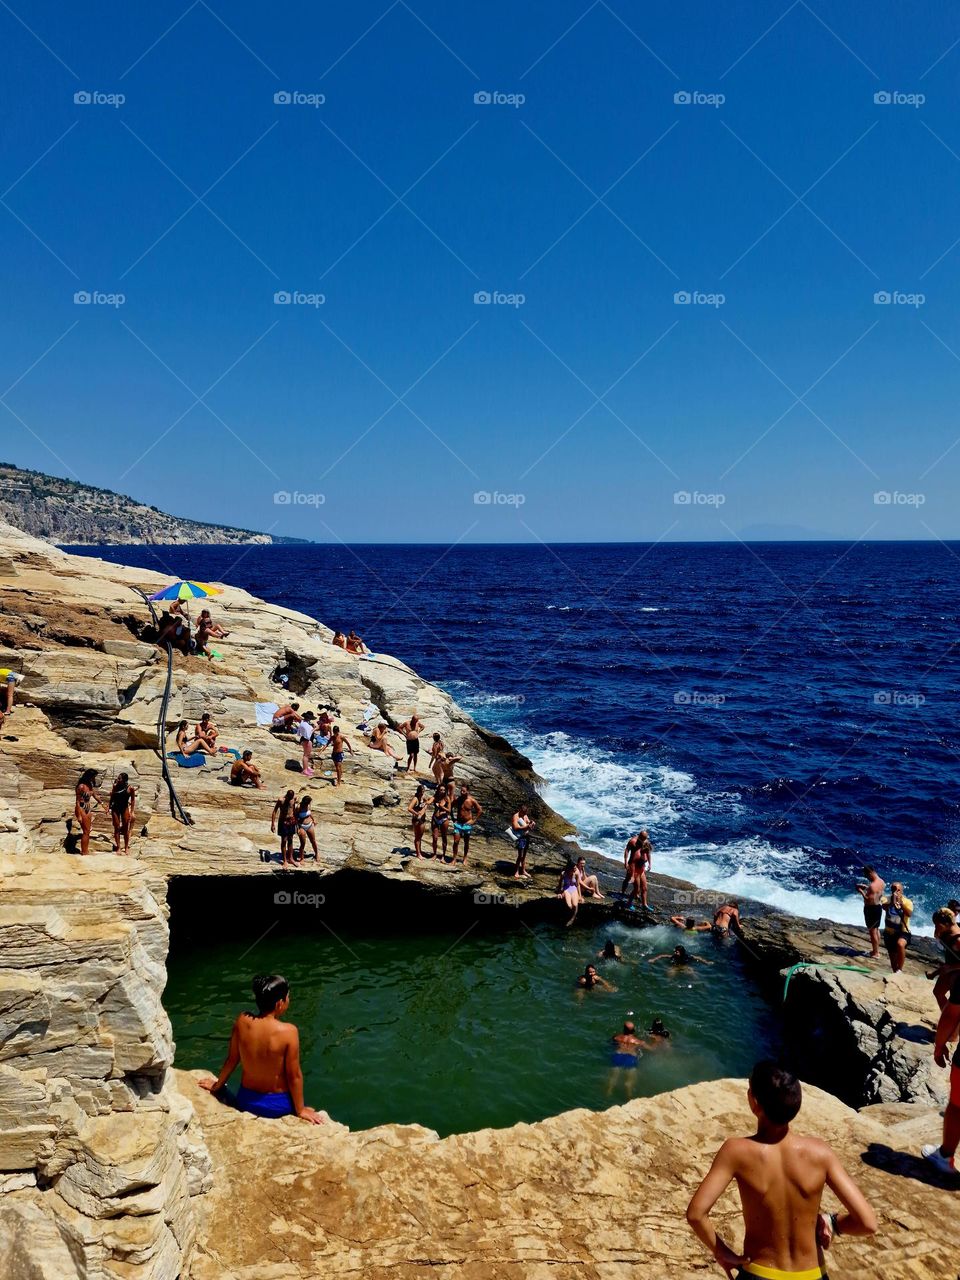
[206, 624]
[286, 718]
[689, 925]
[268, 1053]
[245, 774]
[587, 884]
[781, 1177]
[378, 742]
[207, 729]
[355, 644]
[339, 640]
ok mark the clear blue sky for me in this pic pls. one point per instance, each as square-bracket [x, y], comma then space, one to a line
[598, 198]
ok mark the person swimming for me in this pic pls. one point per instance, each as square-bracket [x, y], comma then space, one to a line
[629, 1044]
[610, 951]
[590, 979]
[268, 1053]
[679, 957]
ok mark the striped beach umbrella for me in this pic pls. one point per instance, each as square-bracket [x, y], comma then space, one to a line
[186, 591]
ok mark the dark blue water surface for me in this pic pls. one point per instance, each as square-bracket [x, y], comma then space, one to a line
[774, 714]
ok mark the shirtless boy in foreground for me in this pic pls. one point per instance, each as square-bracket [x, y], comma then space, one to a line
[781, 1177]
[268, 1052]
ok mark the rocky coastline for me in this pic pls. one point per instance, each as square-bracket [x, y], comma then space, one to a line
[114, 1164]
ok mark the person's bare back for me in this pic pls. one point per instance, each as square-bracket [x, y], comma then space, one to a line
[263, 1044]
[781, 1177]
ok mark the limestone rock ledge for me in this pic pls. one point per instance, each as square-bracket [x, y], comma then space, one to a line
[585, 1195]
[100, 1156]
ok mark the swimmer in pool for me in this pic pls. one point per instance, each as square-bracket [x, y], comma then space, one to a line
[679, 958]
[610, 951]
[690, 925]
[623, 1061]
[590, 980]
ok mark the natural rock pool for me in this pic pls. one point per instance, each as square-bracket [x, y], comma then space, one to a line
[469, 1028]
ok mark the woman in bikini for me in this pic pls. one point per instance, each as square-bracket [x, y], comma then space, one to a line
[123, 800]
[417, 809]
[440, 820]
[284, 819]
[307, 828]
[86, 798]
[187, 746]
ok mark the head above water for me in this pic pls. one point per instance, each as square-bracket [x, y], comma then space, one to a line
[680, 952]
[590, 971]
[658, 1029]
[689, 923]
[270, 991]
[610, 949]
[774, 1094]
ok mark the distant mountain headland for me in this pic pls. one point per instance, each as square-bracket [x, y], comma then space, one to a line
[70, 513]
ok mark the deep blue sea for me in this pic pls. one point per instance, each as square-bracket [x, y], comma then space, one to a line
[774, 714]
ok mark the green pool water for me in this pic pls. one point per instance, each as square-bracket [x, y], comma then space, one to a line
[462, 1031]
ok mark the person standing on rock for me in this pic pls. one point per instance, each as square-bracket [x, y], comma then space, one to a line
[86, 797]
[268, 1053]
[284, 820]
[305, 734]
[437, 752]
[338, 744]
[123, 801]
[781, 1177]
[896, 928]
[417, 809]
[638, 859]
[411, 730]
[10, 681]
[872, 895]
[467, 812]
[942, 1157]
[440, 820]
[521, 824]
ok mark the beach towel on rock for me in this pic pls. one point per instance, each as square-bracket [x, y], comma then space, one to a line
[266, 711]
[186, 762]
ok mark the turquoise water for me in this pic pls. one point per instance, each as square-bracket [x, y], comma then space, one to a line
[461, 1031]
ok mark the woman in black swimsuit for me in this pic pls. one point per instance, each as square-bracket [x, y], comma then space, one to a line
[417, 809]
[123, 800]
[440, 820]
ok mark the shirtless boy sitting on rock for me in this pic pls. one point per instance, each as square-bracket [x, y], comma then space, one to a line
[780, 1176]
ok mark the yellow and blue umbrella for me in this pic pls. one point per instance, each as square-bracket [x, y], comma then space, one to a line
[186, 591]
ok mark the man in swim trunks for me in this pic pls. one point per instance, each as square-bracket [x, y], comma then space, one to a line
[726, 920]
[268, 1053]
[355, 644]
[411, 730]
[781, 1177]
[466, 813]
[286, 718]
[284, 817]
[943, 1156]
[624, 1059]
[896, 928]
[872, 895]
[244, 773]
[338, 744]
